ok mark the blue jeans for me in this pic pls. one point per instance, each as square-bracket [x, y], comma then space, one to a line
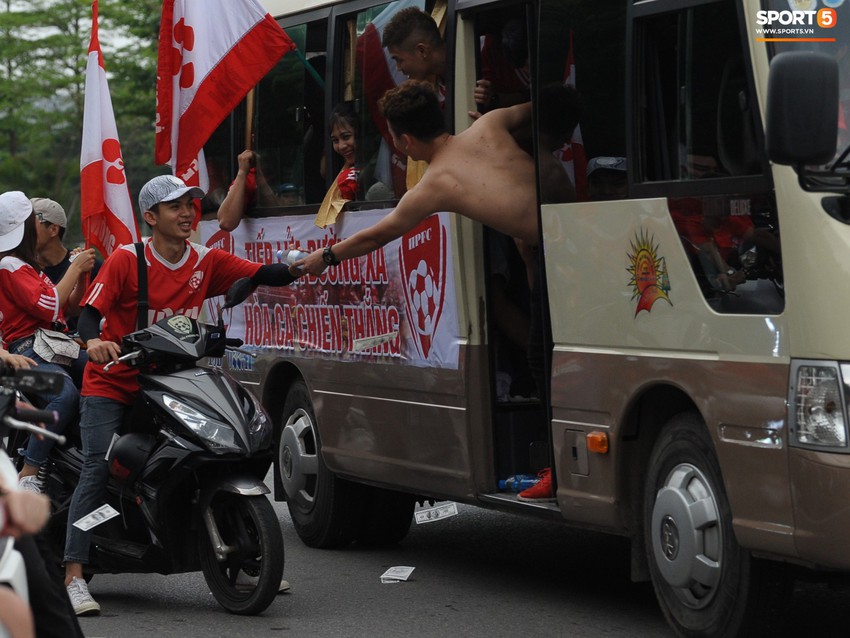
[65, 403]
[100, 419]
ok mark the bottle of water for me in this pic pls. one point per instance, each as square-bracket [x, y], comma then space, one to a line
[518, 482]
[291, 256]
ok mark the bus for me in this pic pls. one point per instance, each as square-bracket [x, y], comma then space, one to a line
[697, 364]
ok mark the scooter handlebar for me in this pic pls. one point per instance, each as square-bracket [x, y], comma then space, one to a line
[124, 357]
[17, 424]
[34, 415]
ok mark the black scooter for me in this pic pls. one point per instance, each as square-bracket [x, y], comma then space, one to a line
[186, 475]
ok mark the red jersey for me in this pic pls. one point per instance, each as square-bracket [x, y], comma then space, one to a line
[28, 300]
[347, 183]
[173, 289]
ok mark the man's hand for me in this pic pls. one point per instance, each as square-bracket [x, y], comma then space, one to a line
[483, 93]
[17, 361]
[102, 351]
[312, 263]
[83, 261]
[26, 512]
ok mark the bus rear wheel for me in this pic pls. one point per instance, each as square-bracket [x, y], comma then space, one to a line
[706, 584]
[326, 511]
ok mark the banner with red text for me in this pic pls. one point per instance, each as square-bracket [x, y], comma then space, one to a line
[394, 305]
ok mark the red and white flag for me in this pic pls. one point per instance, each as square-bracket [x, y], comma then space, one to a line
[211, 53]
[107, 210]
[572, 153]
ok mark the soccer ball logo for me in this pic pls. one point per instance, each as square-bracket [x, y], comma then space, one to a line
[196, 279]
[423, 293]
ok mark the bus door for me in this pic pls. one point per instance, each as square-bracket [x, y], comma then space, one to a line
[497, 46]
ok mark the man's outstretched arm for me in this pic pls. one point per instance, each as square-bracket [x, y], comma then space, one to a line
[413, 207]
[274, 275]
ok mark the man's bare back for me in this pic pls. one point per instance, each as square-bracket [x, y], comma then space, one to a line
[483, 174]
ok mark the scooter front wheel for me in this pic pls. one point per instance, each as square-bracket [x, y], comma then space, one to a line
[244, 571]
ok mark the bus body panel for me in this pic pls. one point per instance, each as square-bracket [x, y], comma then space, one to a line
[636, 341]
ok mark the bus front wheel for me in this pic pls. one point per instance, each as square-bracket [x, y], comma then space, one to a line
[326, 510]
[706, 584]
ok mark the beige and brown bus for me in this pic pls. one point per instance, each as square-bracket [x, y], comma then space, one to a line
[695, 347]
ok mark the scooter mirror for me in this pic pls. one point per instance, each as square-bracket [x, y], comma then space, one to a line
[238, 292]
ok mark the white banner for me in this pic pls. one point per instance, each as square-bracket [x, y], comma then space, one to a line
[394, 305]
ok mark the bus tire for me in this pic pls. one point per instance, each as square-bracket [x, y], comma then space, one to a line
[706, 584]
[387, 519]
[326, 511]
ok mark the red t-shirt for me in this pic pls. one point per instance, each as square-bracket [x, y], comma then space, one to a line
[28, 300]
[173, 289]
[347, 183]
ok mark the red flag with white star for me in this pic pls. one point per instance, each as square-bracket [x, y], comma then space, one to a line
[107, 210]
[211, 53]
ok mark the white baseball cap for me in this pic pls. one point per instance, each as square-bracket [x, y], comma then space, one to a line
[15, 209]
[165, 188]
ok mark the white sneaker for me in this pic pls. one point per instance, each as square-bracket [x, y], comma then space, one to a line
[81, 600]
[31, 484]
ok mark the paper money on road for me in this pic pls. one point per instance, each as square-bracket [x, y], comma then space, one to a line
[95, 518]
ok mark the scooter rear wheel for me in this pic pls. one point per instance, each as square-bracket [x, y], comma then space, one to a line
[247, 580]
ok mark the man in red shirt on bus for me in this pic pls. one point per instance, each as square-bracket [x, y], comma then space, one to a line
[181, 275]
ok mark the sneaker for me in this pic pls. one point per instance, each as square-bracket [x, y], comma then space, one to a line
[31, 483]
[540, 492]
[81, 600]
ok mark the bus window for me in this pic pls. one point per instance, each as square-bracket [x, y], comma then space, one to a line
[583, 44]
[699, 140]
[290, 128]
[366, 75]
[698, 120]
[385, 167]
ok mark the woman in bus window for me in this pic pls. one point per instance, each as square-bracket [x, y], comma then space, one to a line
[343, 130]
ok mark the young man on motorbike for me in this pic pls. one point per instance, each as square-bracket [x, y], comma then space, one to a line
[180, 276]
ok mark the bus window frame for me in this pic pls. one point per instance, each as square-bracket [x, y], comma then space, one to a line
[635, 45]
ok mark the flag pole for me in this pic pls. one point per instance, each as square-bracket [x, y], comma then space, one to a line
[249, 119]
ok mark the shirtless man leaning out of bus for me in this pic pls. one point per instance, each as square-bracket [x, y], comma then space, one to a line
[480, 173]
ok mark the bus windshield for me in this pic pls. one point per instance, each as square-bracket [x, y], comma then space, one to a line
[812, 25]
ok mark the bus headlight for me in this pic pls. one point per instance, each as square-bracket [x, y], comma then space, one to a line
[818, 405]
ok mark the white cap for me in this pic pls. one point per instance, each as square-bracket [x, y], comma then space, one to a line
[165, 188]
[15, 209]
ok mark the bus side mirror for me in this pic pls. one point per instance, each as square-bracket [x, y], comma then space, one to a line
[802, 108]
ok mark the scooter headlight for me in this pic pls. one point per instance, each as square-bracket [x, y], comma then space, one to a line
[218, 436]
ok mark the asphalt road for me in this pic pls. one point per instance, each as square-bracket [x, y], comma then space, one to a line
[480, 573]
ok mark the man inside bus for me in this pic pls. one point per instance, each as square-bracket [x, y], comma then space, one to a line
[414, 42]
[249, 188]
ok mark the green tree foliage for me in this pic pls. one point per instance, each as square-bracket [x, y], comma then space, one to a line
[43, 52]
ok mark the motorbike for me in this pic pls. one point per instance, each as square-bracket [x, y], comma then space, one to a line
[186, 487]
[19, 418]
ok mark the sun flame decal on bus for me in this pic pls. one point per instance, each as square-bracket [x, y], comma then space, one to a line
[649, 280]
